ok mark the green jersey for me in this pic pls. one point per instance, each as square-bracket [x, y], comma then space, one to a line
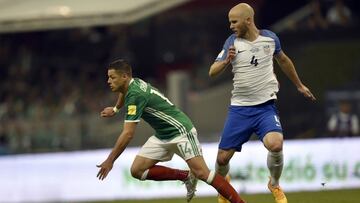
[144, 101]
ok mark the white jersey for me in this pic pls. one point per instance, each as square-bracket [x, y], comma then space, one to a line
[254, 78]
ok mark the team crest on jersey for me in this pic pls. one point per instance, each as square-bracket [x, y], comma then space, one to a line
[131, 110]
[254, 49]
[267, 49]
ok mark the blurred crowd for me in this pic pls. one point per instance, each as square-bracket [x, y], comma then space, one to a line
[344, 121]
[53, 82]
[327, 14]
[48, 76]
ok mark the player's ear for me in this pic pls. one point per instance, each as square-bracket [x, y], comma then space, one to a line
[248, 21]
[125, 75]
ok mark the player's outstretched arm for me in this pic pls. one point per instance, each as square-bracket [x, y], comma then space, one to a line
[288, 68]
[121, 143]
[111, 111]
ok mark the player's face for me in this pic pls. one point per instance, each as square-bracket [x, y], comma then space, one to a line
[238, 25]
[116, 80]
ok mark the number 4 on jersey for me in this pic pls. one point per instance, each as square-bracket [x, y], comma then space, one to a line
[254, 61]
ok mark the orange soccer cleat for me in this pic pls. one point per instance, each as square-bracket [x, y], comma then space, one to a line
[277, 193]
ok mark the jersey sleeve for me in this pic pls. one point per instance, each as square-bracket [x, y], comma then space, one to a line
[134, 107]
[272, 35]
[229, 42]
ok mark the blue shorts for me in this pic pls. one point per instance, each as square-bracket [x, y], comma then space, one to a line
[243, 121]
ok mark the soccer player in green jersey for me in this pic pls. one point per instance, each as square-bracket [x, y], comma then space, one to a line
[174, 134]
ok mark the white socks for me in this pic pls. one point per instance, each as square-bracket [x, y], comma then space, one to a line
[275, 165]
[222, 170]
[144, 175]
[210, 177]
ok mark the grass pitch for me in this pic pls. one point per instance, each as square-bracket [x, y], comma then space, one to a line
[326, 196]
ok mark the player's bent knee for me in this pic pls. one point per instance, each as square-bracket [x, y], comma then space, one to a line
[222, 161]
[136, 173]
[223, 157]
[273, 141]
[275, 146]
[201, 174]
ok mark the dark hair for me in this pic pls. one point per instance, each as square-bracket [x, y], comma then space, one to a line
[121, 65]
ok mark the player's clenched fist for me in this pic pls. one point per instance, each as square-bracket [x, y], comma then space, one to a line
[231, 54]
[107, 112]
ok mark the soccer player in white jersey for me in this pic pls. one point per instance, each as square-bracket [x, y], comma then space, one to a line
[250, 52]
[174, 134]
